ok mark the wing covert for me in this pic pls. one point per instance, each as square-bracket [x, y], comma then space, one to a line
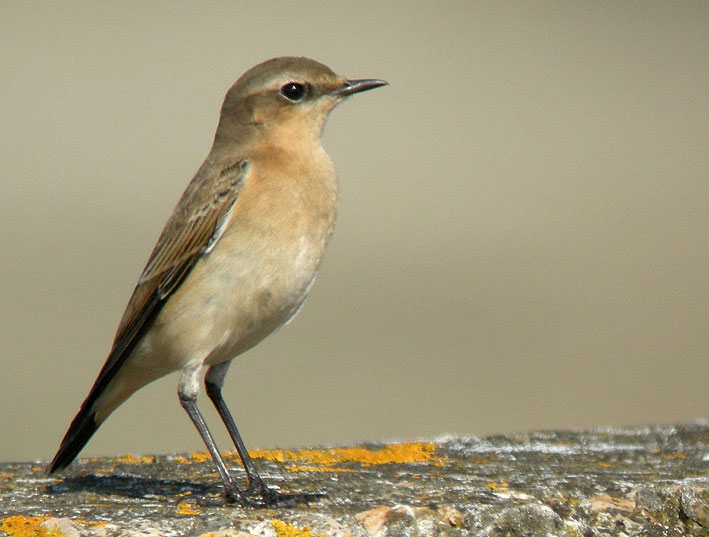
[193, 229]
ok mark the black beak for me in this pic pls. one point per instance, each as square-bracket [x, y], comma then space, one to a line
[357, 86]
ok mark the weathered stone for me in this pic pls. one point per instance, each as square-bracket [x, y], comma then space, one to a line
[530, 520]
[62, 526]
[626, 482]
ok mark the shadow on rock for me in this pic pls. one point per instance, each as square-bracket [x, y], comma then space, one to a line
[129, 486]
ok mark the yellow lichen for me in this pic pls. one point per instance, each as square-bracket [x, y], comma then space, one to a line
[26, 526]
[392, 454]
[184, 508]
[135, 460]
[32, 526]
[105, 470]
[283, 529]
[323, 460]
[200, 456]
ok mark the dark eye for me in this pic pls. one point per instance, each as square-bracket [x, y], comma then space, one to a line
[294, 91]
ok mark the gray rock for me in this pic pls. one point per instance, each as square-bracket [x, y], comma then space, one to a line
[645, 482]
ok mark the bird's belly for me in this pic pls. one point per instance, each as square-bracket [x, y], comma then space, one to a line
[233, 298]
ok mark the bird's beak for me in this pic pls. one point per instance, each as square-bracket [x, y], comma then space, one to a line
[357, 86]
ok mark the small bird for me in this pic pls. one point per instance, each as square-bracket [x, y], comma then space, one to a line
[235, 260]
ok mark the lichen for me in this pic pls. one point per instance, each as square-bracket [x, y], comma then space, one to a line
[393, 454]
[283, 529]
[27, 526]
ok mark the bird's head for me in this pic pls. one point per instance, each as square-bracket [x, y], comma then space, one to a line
[286, 99]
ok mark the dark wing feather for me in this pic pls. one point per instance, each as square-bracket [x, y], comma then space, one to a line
[192, 231]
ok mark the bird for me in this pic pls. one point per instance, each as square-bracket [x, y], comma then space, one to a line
[235, 260]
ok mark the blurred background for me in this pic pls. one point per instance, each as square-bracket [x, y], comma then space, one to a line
[523, 235]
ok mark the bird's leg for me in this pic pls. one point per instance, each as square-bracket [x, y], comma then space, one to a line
[213, 382]
[187, 392]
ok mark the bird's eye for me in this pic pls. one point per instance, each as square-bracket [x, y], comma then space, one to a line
[293, 91]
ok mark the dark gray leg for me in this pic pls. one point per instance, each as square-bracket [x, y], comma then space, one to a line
[213, 382]
[187, 392]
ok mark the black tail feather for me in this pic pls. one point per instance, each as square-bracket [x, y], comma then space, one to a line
[84, 424]
[82, 428]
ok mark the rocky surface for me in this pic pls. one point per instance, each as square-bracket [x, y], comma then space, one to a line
[649, 482]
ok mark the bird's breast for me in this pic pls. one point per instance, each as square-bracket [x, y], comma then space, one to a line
[259, 273]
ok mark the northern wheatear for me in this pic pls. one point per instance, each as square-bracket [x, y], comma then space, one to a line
[236, 258]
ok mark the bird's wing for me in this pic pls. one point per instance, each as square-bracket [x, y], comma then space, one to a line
[191, 232]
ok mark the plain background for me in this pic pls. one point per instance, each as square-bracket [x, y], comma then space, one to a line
[523, 235]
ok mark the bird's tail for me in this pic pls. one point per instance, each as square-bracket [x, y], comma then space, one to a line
[82, 428]
[94, 412]
[101, 401]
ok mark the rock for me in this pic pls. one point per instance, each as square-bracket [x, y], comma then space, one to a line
[530, 520]
[647, 482]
